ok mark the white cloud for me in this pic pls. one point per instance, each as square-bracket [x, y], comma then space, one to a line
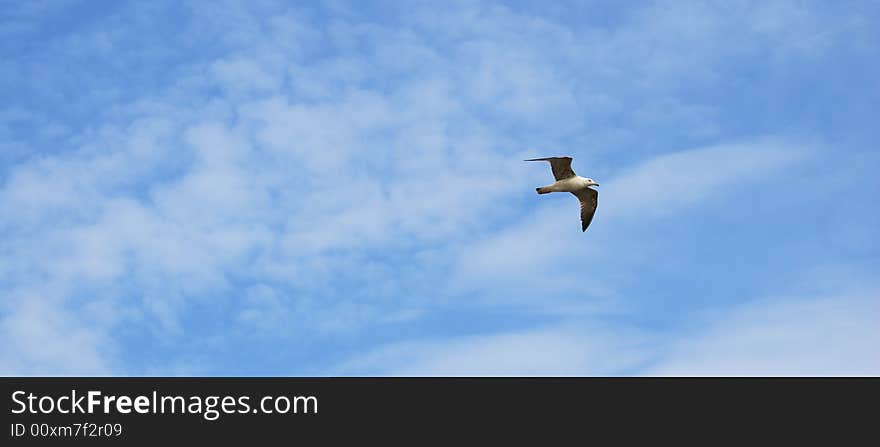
[42, 336]
[829, 335]
[805, 336]
[671, 182]
[564, 350]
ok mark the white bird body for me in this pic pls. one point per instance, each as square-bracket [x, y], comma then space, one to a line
[570, 184]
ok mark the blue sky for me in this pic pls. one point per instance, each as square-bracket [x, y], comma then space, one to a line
[337, 188]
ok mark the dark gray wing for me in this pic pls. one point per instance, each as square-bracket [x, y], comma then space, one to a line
[561, 166]
[589, 199]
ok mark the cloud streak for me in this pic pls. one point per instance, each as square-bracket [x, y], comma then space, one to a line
[790, 336]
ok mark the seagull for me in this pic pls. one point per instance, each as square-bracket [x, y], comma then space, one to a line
[568, 181]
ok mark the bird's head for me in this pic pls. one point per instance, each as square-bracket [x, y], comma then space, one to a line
[590, 182]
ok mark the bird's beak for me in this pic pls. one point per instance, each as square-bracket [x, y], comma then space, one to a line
[595, 184]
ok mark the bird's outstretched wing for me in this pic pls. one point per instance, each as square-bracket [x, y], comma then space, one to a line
[589, 199]
[561, 166]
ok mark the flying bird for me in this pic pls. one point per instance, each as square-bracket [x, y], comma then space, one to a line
[568, 181]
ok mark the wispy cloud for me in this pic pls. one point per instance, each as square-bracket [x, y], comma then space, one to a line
[566, 349]
[800, 336]
[50, 342]
[813, 336]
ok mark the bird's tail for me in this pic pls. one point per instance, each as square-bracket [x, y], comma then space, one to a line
[543, 190]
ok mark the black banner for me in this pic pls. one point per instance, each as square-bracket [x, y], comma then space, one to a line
[416, 410]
